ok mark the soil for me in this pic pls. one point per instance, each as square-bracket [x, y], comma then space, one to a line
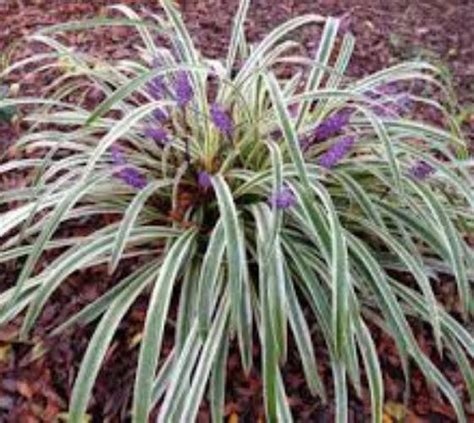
[36, 376]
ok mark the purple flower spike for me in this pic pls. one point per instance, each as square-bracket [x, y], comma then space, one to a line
[222, 120]
[184, 90]
[160, 115]
[132, 177]
[157, 88]
[390, 88]
[157, 134]
[383, 110]
[421, 170]
[393, 108]
[337, 152]
[204, 180]
[373, 95]
[117, 156]
[403, 103]
[129, 175]
[282, 199]
[332, 125]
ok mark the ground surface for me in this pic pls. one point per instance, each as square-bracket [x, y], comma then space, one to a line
[35, 384]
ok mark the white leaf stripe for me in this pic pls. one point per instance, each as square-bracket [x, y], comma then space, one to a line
[237, 34]
[207, 359]
[287, 128]
[321, 60]
[100, 305]
[303, 340]
[373, 370]
[130, 218]
[232, 235]
[100, 342]
[209, 274]
[154, 326]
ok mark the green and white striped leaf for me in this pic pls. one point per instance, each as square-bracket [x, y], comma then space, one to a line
[130, 218]
[233, 236]
[155, 323]
[100, 342]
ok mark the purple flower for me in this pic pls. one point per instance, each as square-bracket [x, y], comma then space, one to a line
[390, 88]
[372, 94]
[282, 199]
[160, 115]
[393, 108]
[332, 125]
[421, 170]
[391, 102]
[221, 119]
[157, 134]
[132, 177]
[383, 110]
[403, 103]
[129, 175]
[336, 152]
[157, 87]
[117, 156]
[204, 180]
[183, 88]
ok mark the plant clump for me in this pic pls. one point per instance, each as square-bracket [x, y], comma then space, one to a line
[262, 205]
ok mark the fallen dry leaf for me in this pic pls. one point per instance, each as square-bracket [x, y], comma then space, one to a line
[395, 410]
[5, 353]
[25, 389]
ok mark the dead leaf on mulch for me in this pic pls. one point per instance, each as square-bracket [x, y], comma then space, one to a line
[394, 412]
[25, 389]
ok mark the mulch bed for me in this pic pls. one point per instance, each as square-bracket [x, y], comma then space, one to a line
[36, 377]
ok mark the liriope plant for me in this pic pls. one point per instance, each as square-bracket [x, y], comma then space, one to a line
[250, 196]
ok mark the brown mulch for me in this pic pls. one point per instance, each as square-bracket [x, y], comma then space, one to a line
[35, 383]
